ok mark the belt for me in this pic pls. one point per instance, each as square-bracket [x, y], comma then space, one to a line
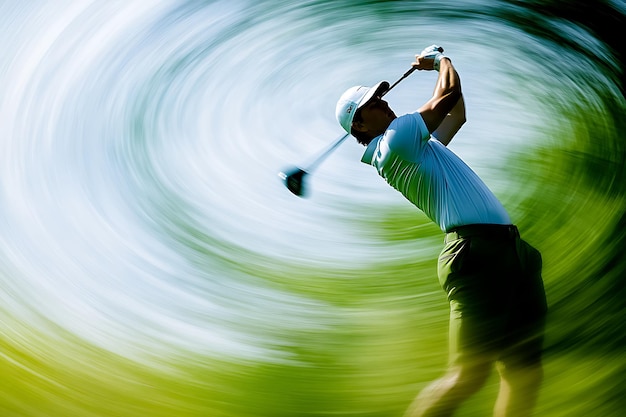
[492, 231]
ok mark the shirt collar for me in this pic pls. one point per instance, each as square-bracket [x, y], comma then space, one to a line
[368, 155]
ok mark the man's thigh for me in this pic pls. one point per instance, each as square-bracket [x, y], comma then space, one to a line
[487, 287]
[523, 344]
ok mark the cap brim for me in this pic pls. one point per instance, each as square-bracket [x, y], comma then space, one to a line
[373, 92]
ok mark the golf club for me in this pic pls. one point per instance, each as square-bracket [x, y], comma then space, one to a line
[294, 177]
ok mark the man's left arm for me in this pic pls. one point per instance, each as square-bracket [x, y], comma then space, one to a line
[451, 123]
[447, 90]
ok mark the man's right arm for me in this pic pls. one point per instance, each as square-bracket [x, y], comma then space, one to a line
[446, 95]
[451, 124]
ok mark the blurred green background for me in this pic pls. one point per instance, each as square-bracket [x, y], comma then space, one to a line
[378, 331]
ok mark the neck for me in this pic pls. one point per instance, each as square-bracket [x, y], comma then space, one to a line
[366, 141]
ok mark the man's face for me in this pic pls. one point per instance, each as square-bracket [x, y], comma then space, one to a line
[375, 117]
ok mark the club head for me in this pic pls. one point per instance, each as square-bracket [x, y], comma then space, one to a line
[294, 180]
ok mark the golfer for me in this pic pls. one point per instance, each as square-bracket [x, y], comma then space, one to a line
[492, 278]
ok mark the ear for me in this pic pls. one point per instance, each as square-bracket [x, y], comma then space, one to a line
[359, 127]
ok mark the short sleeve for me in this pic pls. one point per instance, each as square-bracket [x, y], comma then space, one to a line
[407, 135]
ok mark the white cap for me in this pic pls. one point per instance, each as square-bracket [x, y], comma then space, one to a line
[353, 99]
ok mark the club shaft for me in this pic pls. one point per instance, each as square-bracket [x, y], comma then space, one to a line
[326, 152]
[406, 74]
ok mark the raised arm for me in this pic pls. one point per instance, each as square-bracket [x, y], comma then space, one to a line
[451, 123]
[446, 95]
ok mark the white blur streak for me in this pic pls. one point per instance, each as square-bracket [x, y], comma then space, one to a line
[76, 245]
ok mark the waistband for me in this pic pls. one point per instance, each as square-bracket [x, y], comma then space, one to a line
[492, 231]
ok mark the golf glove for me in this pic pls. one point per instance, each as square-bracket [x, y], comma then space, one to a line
[435, 53]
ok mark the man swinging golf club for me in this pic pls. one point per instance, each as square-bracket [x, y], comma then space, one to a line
[492, 278]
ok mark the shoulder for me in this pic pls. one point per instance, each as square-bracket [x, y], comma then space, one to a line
[407, 134]
[409, 125]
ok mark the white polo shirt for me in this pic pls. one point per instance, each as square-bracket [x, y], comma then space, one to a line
[431, 176]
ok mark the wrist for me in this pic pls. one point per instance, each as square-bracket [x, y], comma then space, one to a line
[438, 59]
